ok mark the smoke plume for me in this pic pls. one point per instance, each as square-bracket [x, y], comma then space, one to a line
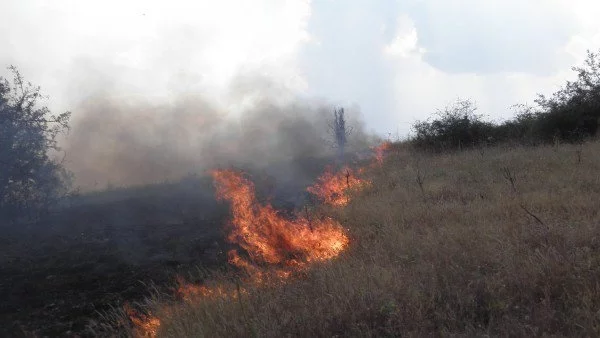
[124, 141]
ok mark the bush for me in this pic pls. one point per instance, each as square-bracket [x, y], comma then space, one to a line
[30, 181]
[456, 127]
[522, 129]
[571, 114]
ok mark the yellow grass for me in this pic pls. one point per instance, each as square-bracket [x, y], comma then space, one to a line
[461, 253]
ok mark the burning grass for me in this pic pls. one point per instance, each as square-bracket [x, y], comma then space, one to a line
[458, 254]
[274, 247]
[145, 325]
[335, 188]
[270, 239]
[381, 151]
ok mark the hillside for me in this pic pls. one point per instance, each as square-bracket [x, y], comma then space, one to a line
[495, 241]
[98, 250]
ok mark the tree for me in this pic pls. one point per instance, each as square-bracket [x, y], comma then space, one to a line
[30, 181]
[573, 112]
[457, 126]
[340, 132]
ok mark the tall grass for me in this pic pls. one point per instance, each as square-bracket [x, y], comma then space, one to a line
[501, 242]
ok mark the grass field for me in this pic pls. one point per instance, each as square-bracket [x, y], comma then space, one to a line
[494, 241]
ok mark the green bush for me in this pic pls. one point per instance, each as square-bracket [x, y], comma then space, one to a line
[30, 181]
[569, 115]
[456, 127]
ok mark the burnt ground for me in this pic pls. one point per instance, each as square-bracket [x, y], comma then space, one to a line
[58, 276]
[61, 275]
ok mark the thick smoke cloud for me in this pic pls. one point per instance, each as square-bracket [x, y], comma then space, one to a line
[124, 141]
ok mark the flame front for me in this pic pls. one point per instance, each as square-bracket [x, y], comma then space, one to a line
[270, 239]
[334, 188]
[381, 150]
[275, 246]
[189, 292]
[145, 325]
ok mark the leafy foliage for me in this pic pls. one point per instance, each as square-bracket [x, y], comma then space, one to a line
[572, 113]
[457, 126]
[30, 180]
[569, 115]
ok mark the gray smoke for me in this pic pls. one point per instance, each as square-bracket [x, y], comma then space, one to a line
[124, 141]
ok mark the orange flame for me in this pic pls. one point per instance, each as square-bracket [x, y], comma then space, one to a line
[270, 239]
[381, 150]
[334, 188]
[144, 325]
[189, 292]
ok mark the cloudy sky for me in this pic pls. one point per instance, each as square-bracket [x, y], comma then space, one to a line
[396, 60]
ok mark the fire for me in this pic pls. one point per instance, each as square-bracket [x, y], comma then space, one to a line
[270, 239]
[334, 188]
[145, 325]
[380, 152]
[274, 247]
[189, 292]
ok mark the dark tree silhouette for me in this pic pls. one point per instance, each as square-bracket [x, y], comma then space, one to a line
[573, 112]
[340, 132]
[30, 181]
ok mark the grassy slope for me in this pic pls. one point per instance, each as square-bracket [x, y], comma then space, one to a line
[462, 255]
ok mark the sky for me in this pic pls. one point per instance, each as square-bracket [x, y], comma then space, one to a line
[395, 61]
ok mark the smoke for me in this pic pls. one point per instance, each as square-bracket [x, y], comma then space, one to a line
[125, 141]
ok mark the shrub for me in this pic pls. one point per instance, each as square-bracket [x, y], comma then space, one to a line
[572, 113]
[522, 129]
[457, 126]
[30, 181]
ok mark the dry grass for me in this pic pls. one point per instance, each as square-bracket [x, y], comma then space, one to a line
[501, 242]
